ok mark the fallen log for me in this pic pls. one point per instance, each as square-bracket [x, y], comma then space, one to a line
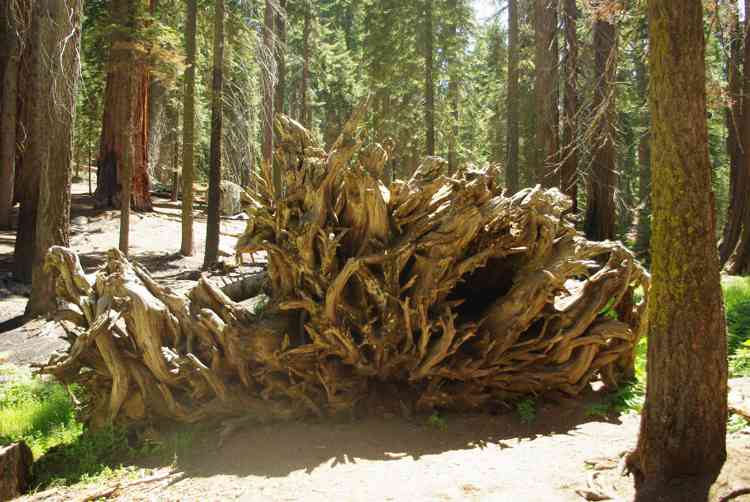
[440, 291]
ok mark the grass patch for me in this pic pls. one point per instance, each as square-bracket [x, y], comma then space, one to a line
[41, 413]
[737, 307]
[630, 398]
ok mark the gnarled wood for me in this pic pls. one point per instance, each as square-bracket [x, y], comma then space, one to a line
[441, 289]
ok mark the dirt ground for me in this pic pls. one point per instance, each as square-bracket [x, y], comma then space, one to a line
[470, 457]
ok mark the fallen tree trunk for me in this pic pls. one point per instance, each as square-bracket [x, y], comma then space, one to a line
[436, 292]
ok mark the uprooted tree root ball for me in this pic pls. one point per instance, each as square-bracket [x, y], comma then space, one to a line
[436, 292]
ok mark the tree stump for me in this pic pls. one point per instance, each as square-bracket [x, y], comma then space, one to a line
[440, 291]
[15, 470]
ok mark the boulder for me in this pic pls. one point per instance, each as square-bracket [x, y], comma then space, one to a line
[230, 198]
[739, 397]
[15, 470]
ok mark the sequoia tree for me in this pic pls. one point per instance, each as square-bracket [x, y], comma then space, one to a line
[683, 425]
[127, 70]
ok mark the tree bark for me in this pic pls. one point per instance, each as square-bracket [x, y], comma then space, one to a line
[545, 91]
[429, 85]
[453, 77]
[643, 237]
[511, 169]
[267, 79]
[738, 226]
[600, 203]
[9, 59]
[214, 177]
[188, 131]
[683, 424]
[280, 52]
[121, 108]
[59, 19]
[306, 116]
[734, 123]
[31, 118]
[569, 150]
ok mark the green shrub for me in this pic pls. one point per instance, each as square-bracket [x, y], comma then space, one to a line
[737, 306]
[526, 409]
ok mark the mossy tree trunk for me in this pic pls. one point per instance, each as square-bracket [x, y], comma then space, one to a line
[683, 425]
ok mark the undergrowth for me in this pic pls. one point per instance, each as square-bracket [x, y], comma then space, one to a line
[42, 414]
[630, 398]
[737, 306]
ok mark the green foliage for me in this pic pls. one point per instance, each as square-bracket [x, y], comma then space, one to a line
[737, 423]
[36, 411]
[737, 306]
[437, 422]
[526, 409]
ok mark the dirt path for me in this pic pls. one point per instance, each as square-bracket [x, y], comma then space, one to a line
[155, 242]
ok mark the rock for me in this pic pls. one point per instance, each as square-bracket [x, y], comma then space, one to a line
[739, 397]
[15, 470]
[230, 198]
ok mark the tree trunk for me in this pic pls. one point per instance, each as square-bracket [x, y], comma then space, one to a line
[267, 79]
[545, 91]
[683, 425]
[157, 96]
[429, 85]
[9, 59]
[569, 150]
[120, 108]
[214, 176]
[306, 116]
[735, 124]
[59, 18]
[738, 225]
[280, 52]
[188, 131]
[453, 77]
[511, 169]
[600, 203]
[643, 237]
[31, 119]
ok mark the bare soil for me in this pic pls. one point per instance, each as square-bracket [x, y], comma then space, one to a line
[496, 457]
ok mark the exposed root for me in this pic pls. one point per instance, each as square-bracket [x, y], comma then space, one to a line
[440, 291]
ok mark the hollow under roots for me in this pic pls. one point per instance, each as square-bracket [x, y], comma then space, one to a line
[436, 292]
